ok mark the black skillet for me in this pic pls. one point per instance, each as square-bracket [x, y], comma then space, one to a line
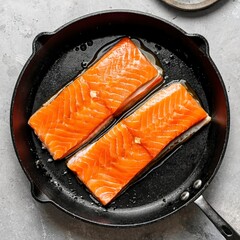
[59, 56]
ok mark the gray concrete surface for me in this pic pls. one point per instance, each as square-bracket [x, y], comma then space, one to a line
[21, 217]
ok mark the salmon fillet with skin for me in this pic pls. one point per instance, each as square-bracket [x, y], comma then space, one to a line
[108, 166]
[86, 105]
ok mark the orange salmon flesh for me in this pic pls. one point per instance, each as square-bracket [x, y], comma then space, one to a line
[82, 108]
[107, 166]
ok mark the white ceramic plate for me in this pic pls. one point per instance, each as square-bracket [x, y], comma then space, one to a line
[190, 5]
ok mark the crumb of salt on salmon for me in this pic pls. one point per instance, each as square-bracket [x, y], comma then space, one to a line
[93, 94]
[137, 140]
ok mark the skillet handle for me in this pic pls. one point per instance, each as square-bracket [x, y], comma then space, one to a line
[225, 229]
[40, 40]
[201, 42]
[38, 195]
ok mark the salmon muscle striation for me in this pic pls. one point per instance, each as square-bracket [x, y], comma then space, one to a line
[82, 108]
[107, 166]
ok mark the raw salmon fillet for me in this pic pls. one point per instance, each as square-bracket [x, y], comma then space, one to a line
[75, 114]
[164, 117]
[108, 165]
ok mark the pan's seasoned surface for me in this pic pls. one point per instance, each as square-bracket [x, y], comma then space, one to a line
[56, 59]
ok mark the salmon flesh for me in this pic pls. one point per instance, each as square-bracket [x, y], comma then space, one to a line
[105, 90]
[107, 166]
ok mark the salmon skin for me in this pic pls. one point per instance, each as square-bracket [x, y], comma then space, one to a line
[107, 166]
[81, 109]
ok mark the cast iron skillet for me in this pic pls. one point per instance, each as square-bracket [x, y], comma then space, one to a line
[59, 56]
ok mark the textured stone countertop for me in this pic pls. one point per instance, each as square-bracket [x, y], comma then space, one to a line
[22, 217]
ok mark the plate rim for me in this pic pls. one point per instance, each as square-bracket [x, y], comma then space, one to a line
[190, 6]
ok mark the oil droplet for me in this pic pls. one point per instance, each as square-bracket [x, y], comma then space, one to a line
[38, 164]
[184, 196]
[84, 64]
[166, 61]
[55, 183]
[90, 43]
[94, 200]
[83, 46]
[197, 184]
[158, 47]
[47, 175]
[60, 189]
[76, 48]
[50, 160]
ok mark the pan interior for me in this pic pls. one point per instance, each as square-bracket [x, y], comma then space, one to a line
[63, 57]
